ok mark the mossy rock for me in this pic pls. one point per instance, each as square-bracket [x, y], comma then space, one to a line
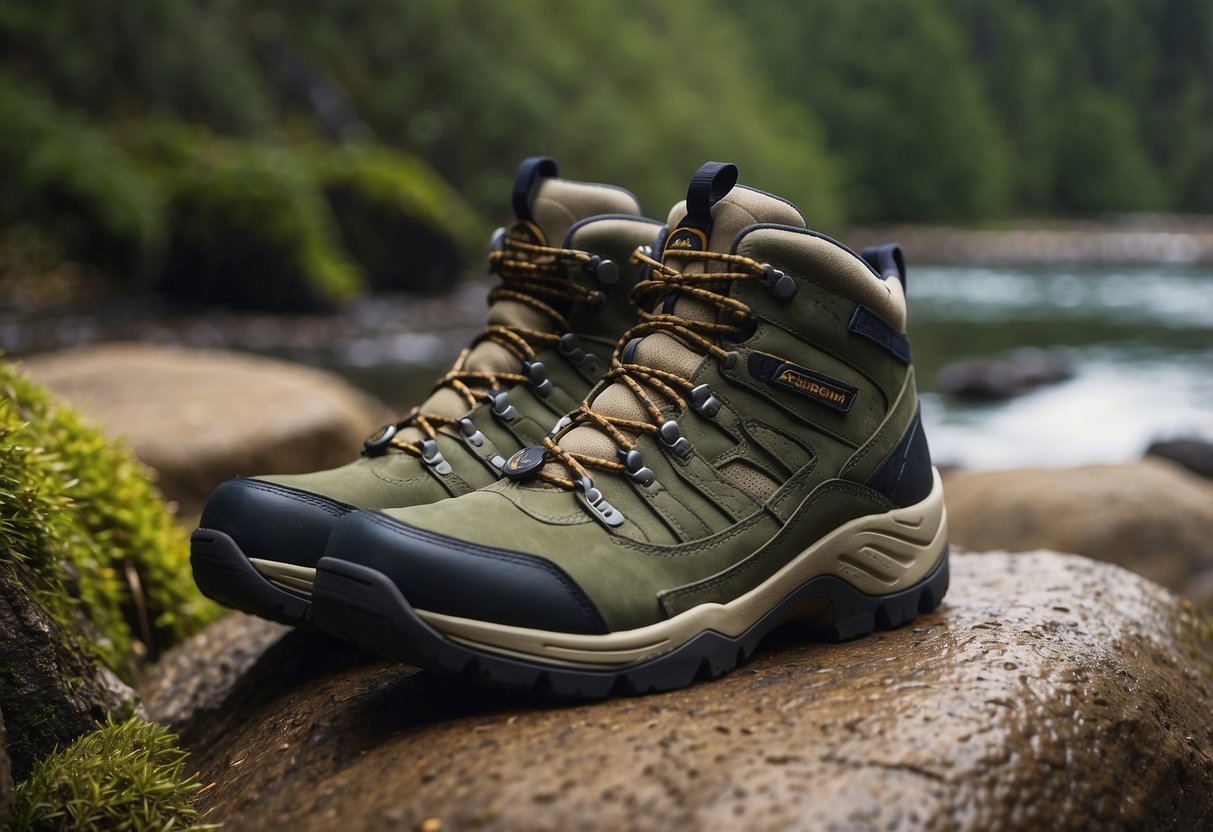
[248, 226]
[94, 575]
[124, 775]
[83, 517]
[300, 227]
[404, 225]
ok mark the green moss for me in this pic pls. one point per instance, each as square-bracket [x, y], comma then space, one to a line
[125, 775]
[248, 223]
[82, 517]
[406, 227]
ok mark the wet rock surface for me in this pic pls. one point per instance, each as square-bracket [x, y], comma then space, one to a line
[1194, 454]
[1048, 692]
[50, 691]
[199, 417]
[191, 680]
[1152, 517]
[992, 379]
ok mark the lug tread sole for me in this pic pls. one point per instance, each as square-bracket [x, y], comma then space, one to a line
[365, 607]
[224, 574]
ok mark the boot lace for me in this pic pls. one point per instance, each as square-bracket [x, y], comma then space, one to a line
[649, 384]
[532, 275]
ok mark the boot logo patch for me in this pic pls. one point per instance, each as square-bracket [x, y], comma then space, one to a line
[686, 239]
[835, 394]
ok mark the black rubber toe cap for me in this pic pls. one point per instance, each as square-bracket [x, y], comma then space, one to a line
[273, 521]
[444, 575]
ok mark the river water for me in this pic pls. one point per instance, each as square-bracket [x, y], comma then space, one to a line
[1140, 340]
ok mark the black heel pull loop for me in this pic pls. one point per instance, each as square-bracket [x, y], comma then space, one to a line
[529, 172]
[708, 186]
[887, 261]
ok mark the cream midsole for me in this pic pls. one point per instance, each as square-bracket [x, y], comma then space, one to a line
[286, 575]
[878, 554]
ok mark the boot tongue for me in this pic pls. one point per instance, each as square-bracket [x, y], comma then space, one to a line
[710, 219]
[545, 208]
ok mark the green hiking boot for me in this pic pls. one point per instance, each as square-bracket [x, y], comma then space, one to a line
[565, 273]
[754, 456]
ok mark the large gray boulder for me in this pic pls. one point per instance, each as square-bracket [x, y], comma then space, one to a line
[1048, 692]
[199, 417]
[51, 691]
[1152, 517]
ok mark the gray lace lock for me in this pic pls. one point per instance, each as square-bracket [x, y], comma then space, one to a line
[433, 457]
[603, 511]
[537, 375]
[604, 271]
[705, 402]
[777, 283]
[672, 438]
[468, 428]
[637, 471]
[502, 409]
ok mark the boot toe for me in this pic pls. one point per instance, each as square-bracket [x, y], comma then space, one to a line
[445, 575]
[272, 521]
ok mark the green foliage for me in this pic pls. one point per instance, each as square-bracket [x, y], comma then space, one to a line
[892, 84]
[79, 512]
[292, 185]
[401, 222]
[633, 93]
[249, 225]
[80, 190]
[125, 775]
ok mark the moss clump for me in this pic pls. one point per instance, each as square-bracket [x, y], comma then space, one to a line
[124, 775]
[248, 224]
[402, 223]
[81, 516]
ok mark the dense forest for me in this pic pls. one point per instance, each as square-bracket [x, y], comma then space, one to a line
[278, 153]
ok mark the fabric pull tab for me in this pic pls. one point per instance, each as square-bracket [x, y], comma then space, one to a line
[887, 261]
[530, 171]
[708, 186]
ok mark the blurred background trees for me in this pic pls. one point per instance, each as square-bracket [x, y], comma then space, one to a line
[280, 154]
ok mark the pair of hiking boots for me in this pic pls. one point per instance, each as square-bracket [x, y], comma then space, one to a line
[667, 441]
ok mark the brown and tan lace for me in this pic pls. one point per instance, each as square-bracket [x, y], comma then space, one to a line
[531, 275]
[697, 335]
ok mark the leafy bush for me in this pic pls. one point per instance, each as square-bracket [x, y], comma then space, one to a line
[64, 178]
[80, 513]
[124, 775]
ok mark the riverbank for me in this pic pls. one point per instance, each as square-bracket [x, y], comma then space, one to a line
[1128, 240]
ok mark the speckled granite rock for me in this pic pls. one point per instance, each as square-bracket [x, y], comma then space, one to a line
[201, 416]
[1152, 517]
[1048, 692]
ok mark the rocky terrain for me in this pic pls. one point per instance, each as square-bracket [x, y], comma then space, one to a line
[1049, 690]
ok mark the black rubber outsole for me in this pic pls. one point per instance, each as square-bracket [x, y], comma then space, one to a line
[223, 573]
[364, 606]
